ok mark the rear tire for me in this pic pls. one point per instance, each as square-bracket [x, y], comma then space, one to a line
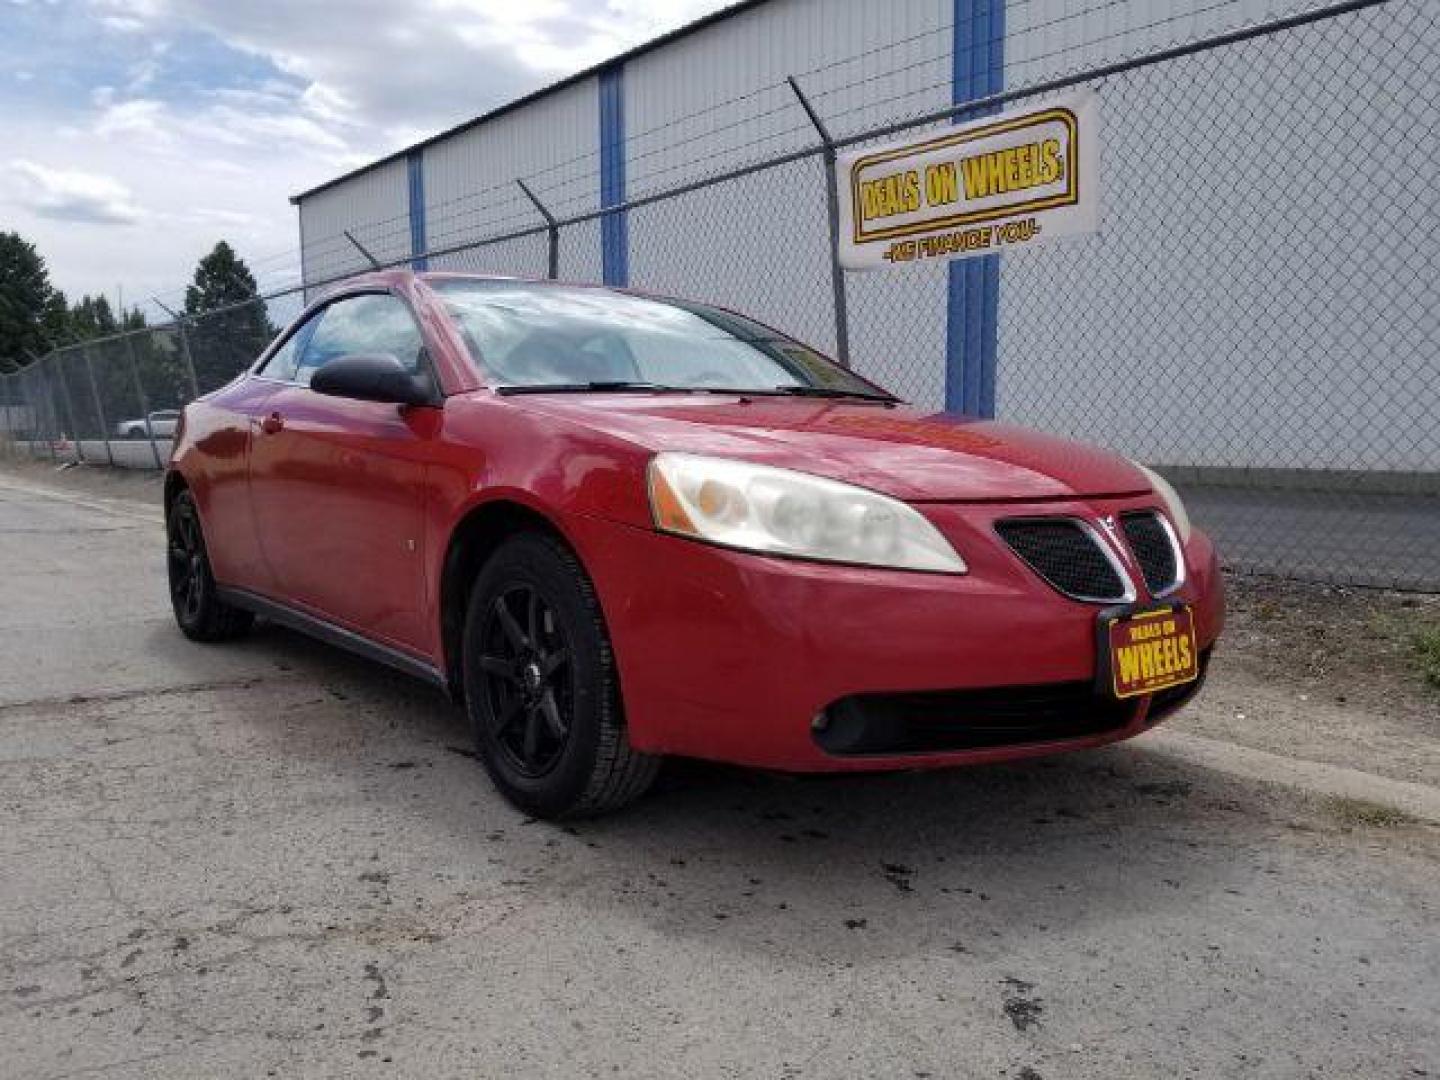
[541, 687]
[199, 611]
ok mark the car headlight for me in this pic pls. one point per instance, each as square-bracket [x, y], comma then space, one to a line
[1171, 498]
[782, 512]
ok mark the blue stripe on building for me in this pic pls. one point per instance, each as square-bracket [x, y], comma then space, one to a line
[614, 228]
[972, 328]
[415, 173]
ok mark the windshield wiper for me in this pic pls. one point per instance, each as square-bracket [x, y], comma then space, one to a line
[602, 386]
[598, 386]
[832, 392]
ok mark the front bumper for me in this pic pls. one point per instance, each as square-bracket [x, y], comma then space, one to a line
[731, 656]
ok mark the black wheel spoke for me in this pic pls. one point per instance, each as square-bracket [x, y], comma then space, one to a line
[523, 660]
[551, 711]
[510, 626]
[508, 714]
[186, 562]
[532, 734]
[553, 662]
[532, 618]
[500, 668]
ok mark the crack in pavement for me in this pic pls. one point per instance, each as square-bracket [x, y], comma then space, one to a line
[244, 683]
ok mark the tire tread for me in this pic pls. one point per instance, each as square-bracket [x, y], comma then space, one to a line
[218, 620]
[619, 774]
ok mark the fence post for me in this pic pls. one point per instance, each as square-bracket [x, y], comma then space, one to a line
[8, 380]
[184, 346]
[375, 263]
[69, 403]
[99, 408]
[15, 404]
[5, 410]
[43, 407]
[189, 360]
[38, 365]
[27, 388]
[53, 415]
[144, 401]
[832, 207]
[552, 232]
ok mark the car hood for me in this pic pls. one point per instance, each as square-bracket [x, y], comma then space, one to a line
[902, 451]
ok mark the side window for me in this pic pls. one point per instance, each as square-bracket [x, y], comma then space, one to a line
[378, 323]
[281, 364]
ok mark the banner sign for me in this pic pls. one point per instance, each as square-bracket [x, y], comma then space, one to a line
[1009, 180]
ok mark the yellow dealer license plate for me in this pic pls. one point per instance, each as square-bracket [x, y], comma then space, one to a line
[1151, 650]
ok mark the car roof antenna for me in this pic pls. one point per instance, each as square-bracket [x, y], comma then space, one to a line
[374, 262]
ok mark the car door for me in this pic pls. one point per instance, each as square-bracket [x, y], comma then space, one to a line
[338, 485]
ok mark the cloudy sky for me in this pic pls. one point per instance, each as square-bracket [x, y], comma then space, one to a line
[135, 133]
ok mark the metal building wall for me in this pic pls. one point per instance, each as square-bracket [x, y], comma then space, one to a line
[716, 99]
[1077, 327]
[1231, 312]
[374, 206]
[1046, 38]
[552, 143]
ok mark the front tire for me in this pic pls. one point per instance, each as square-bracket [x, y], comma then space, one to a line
[199, 611]
[541, 687]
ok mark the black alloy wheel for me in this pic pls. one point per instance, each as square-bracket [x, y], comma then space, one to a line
[527, 680]
[541, 685]
[199, 611]
[187, 565]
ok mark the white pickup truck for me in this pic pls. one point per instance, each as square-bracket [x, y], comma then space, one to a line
[162, 425]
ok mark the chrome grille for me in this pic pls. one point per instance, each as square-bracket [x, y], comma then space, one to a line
[1149, 539]
[1067, 554]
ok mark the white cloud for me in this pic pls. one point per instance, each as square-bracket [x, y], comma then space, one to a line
[200, 150]
[71, 195]
[377, 67]
[228, 218]
[136, 119]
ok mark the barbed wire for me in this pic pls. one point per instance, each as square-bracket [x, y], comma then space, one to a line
[338, 243]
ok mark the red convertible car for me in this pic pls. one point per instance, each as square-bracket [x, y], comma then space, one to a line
[618, 527]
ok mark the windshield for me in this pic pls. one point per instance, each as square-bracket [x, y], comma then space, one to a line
[529, 337]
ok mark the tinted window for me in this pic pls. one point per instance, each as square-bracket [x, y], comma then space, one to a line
[378, 323]
[544, 335]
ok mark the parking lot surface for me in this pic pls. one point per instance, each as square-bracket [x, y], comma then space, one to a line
[272, 859]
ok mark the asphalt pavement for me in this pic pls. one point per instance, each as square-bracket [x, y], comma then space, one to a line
[271, 859]
[1350, 538]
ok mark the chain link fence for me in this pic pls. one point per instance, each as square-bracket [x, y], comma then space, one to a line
[1257, 317]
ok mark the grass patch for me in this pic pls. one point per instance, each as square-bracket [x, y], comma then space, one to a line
[1427, 652]
[1355, 812]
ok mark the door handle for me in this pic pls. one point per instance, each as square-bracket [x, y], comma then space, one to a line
[272, 423]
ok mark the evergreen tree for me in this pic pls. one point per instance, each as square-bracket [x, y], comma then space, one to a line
[230, 327]
[26, 297]
[92, 317]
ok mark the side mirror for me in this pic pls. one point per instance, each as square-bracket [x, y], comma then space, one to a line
[373, 377]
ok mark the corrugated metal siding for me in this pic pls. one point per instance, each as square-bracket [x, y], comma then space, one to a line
[1046, 38]
[552, 144]
[1231, 311]
[717, 99]
[374, 206]
[1215, 351]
